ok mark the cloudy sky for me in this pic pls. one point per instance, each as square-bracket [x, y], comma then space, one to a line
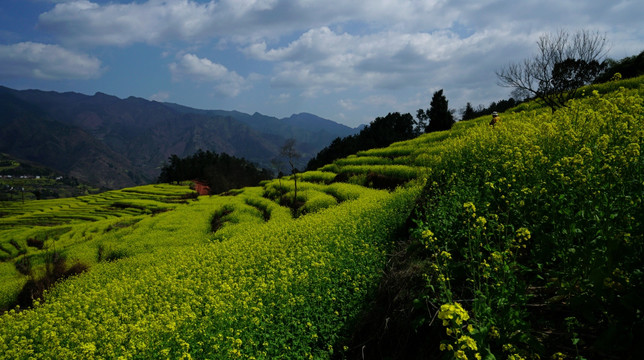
[348, 61]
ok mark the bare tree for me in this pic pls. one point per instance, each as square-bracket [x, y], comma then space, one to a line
[277, 164]
[562, 65]
[289, 152]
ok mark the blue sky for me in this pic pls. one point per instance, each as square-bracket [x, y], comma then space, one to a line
[348, 61]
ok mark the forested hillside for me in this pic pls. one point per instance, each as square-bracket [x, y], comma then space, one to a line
[519, 241]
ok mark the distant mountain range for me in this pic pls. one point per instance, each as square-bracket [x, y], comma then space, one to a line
[115, 143]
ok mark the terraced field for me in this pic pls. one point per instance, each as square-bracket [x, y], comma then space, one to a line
[255, 273]
[30, 230]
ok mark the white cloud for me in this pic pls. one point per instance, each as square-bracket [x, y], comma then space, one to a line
[49, 62]
[347, 104]
[161, 21]
[154, 21]
[380, 100]
[194, 68]
[387, 60]
[249, 21]
[160, 96]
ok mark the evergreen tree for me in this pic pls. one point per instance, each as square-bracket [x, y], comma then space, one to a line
[468, 113]
[440, 117]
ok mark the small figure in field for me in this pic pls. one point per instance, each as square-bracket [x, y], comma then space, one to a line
[495, 118]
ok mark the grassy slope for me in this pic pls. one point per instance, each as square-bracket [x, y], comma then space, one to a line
[265, 284]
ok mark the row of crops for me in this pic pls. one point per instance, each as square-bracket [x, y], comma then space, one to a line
[510, 222]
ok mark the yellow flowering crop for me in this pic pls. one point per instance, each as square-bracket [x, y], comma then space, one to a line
[249, 295]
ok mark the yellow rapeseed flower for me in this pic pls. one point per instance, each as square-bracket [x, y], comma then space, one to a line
[467, 343]
[460, 354]
[469, 207]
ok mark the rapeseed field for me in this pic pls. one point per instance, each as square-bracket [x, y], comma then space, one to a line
[531, 233]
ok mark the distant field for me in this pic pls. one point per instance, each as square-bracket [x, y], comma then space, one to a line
[27, 181]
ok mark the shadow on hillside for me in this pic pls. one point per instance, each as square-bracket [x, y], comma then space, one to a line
[373, 180]
[56, 269]
[394, 325]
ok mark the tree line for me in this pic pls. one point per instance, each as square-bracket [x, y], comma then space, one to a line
[221, 172]
[380, 133]
[628, 67]
[384, 131]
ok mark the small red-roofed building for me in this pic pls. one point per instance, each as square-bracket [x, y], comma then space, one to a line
[201, 188]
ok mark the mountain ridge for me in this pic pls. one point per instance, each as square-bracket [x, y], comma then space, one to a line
[113, 142]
